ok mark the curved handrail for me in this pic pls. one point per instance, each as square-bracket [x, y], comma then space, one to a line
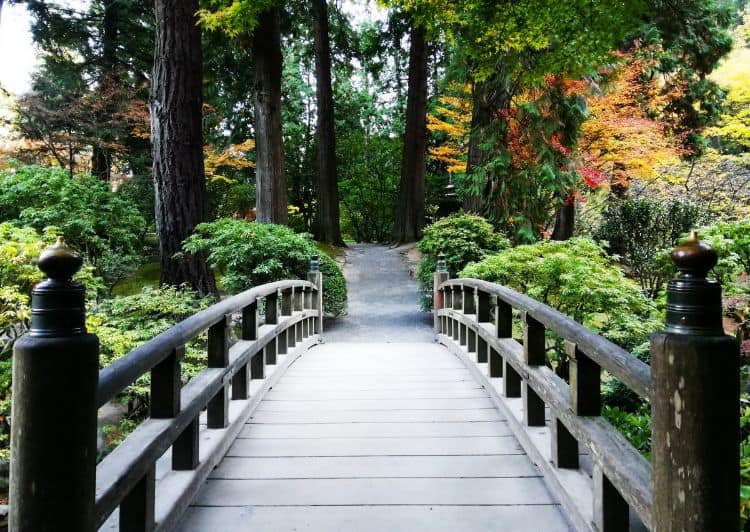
[634, 373]
[124, 371]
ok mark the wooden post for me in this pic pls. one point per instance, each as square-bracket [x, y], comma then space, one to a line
[53, 456]
[217, 415]
[695, 403]
[316, 277]
[166, 384]
[438, 302]
[534, 353]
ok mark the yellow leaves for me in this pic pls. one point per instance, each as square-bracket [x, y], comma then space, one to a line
[233, 158]
[451, 121]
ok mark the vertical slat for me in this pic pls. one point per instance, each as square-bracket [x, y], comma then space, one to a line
[495, 364]
[462, 336]
[482, 349]
[185, 448]
[297, 300]
[448, 295]
[291, 338]
[137, 508]
[511, 381]
[585, 383]
[504, 319]
[166, 383]
[308, 298]
[258, 366]
[611, 512]
[287, 297]
[218, 357]
[250, 321]
[282, 342]
[458, 298]
[272, 309]
[483, 306]
[472, 340]
[469, 303]
[564, 446]
[533, 407]
[269, 352]
[534, 348]
[240, 383]
[298, 332]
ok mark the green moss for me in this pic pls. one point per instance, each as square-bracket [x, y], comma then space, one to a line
[146, 275]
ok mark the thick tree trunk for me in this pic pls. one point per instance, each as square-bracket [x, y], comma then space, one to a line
[488, 98]
[328, 227]
[565, 221]
[271, 203]
[410, 211]
[177, 137]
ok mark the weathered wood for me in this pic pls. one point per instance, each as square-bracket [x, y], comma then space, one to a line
[297, 300]
[511, 380]
[503, 319]
[282, 343]
[272, 308]
[258, 366]
[585, 382]
[458, 297]
[469, 305]
[217, 414]
[462, 333]
[137, 508]
[241, 383]
[286, 301]
[495, 366]
[471, 343]
[166, 381]
[611, 512]
[185, 450]
[482, 349]
[483, 306]
[250, 321]
[564, 446]
[269, 351]
[218, 357]
[534, 342]
[298, 332]
[533, 407]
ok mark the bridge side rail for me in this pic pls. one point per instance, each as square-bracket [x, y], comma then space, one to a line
[55, 481]
[475, 319]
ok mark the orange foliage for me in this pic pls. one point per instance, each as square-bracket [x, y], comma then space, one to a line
[452, 119]
[233, 158]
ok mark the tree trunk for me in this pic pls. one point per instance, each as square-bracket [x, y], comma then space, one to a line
[328, 227]
[410, 212]
[177, 137]
[271, 203]
[101, 157]
[488, 98]
[565, 221]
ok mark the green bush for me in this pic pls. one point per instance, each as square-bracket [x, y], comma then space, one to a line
[249, 254]
[104, 226]
[642, 232]
[731, 241]
[462, 238]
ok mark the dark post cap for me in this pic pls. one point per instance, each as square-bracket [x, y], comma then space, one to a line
[314, 263]
[694, 258]
[58, 305]
[693, 301]
[442, 267]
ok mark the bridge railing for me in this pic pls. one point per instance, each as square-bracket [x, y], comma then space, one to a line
[692, 482]
[55, 482]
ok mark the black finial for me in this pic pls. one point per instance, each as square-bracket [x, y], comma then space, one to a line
[58, 305]
[314, 263]
[60, 262]
[693, 301]
[442, 267]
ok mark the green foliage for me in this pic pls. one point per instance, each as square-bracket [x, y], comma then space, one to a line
[641, 232]
[731, 241]
[745, 465]
[250, 254]
[577, 278]
[635, 426]
[124, 323]
[462, 238]
[104, 226]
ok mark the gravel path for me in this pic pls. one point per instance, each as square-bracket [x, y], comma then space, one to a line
[383, 300]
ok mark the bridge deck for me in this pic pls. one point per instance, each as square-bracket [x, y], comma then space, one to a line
[372, 437]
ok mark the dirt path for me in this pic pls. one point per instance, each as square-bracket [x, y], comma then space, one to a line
[383, 300]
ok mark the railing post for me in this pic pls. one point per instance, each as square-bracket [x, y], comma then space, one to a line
[315, 276]
[217, 415]
[535, 355]
[438, 298]
[53, 456]
[695, 403]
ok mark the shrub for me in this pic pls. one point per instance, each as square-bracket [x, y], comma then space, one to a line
[104, 226]
[731, 241]
[641, 232]
[249, 254]
[462, 238]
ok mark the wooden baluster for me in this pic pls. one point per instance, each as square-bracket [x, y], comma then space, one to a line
[241, 379]
[511, 380]
[166, 384]
[282, 342]
[458, 297]
[316, 277]
[585, 382]
[495, 364]
[272, 308]
[462, 340]
[287, 301]
[503, 319]
[611, 512]
[297, 299]
[534, 350]
[137, 508]
[269, 351]
[185, 449]
[218, 357]
[471, 344]
[564, 446]
[287, 297]
[469, 303]
[258, 365]
[482, 349]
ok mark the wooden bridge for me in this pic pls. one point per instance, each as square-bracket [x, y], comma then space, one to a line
[282, 432]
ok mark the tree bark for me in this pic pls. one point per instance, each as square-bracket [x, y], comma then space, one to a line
[565, 221]
[271, 202]
[177, 137]
[328, 227]
[410, 211]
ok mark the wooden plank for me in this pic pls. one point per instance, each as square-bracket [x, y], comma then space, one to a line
[314, 492]
[536, 518]
[322, 394]
[500, 465]
[376, 416]
[477, 445]
[327, 405]
[375, 430]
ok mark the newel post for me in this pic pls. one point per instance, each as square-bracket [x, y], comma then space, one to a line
[439, 277]
[53, 429]
[315, 276]
[695, 403]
